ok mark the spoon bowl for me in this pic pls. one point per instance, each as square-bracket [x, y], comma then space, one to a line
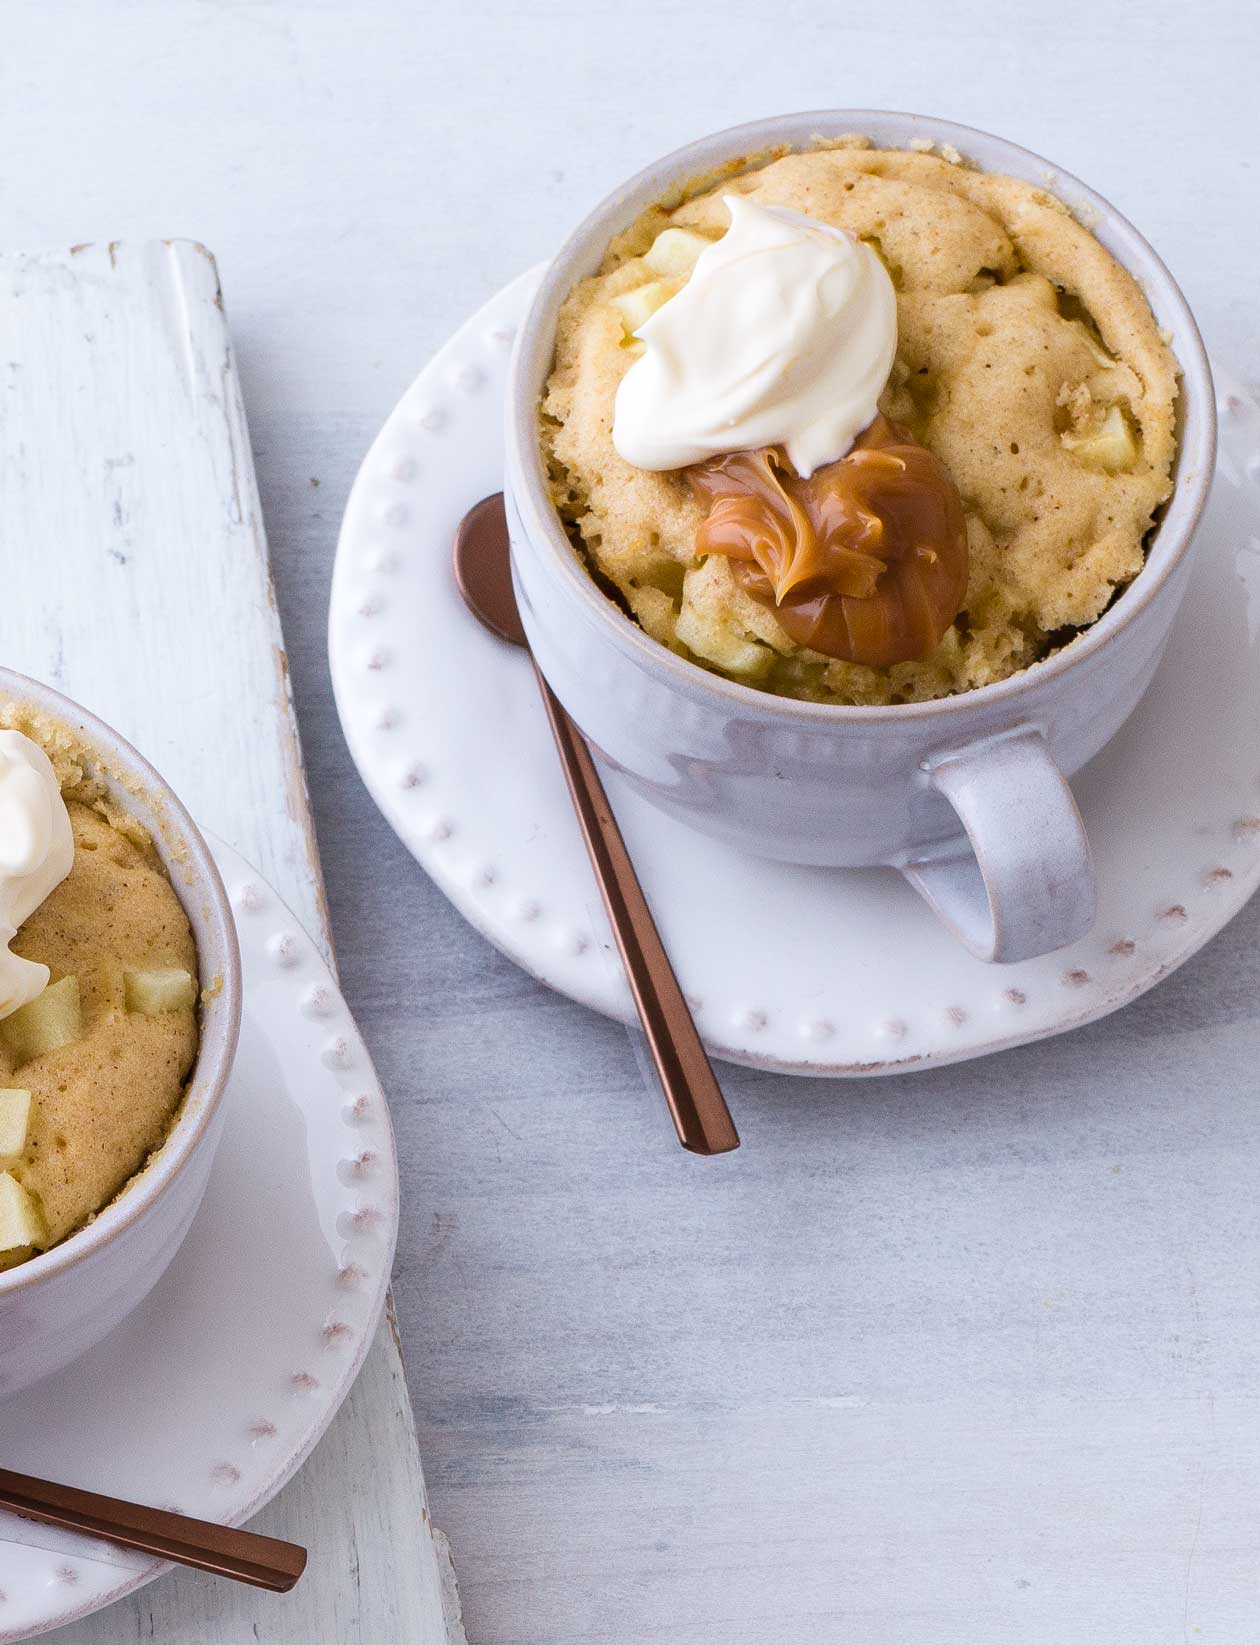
[483, 570]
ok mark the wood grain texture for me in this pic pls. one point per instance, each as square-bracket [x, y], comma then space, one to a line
[959, 1359]
[137, 581]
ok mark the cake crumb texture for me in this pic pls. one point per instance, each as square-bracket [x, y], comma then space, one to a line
[102, 1104]
[1028, 360]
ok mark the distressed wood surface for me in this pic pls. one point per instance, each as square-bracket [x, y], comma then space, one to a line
[960, 1359]
[137, 581]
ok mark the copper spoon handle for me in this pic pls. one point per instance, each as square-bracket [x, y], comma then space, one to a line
[695, 1099]
[260, 1560]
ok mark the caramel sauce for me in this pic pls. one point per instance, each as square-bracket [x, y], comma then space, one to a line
[865, 561]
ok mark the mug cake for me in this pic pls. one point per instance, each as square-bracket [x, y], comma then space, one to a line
[859, 425]
[98, 991]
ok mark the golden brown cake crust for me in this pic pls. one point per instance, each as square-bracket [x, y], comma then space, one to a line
[102, 1105]
[1018, 335]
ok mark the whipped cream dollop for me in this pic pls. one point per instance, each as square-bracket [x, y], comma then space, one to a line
[36, 853]
[783, 335]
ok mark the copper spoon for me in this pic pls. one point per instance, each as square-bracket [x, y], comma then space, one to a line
[701, 1117]
[261, 1561]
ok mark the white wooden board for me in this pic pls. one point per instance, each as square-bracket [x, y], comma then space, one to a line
[136, 580]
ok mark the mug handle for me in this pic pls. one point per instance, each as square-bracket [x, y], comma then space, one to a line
[1027, 885]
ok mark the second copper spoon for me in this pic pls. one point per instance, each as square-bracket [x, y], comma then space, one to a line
[225, 1550]
[701, 1117]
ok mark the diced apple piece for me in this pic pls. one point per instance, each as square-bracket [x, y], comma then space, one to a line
[641, 304]
[674, 251]
[15, 1119]
[52, 1020]
[21, 1216]
[1110, 447]
[153, 992]
[655, 611]
[715, 644]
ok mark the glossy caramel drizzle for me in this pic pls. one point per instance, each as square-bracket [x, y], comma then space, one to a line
[865, 561]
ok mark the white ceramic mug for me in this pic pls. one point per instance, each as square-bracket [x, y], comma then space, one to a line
[966, 795]
[62, 1302]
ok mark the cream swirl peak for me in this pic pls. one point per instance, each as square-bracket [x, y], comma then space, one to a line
[36, 854]
[783, 335]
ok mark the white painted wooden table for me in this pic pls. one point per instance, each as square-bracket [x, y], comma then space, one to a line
[957, 1359]
[138, 583]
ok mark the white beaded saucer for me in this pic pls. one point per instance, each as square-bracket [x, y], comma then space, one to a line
[214, 1392]
[810, 971]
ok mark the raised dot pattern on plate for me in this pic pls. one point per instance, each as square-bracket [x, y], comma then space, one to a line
[320, 1001]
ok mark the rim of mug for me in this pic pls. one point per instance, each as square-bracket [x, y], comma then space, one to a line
[1194, 461]
[216, 1049]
